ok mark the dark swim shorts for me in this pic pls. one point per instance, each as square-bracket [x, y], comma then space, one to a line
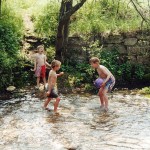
[53, 94]
[110, 84]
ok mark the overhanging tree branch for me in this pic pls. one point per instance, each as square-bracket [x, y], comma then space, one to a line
[72, 10]
[66, 11]
[138, 11]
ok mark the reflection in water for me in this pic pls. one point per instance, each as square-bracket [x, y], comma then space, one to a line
[81, 124]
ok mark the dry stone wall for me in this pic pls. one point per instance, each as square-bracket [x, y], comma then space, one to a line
[135, 46]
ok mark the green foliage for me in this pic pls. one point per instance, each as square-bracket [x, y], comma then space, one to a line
[46, 20]
[50, 53]
[101, 16]
[79, 74]
[145, 90]
[139, 71]
[10, 30]
[12, 70]
[93, 17]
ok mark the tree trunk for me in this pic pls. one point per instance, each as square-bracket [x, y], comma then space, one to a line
[66, 30]
[66, 10]
[63, 31]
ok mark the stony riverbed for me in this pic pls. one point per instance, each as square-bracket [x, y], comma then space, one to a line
[81, 125]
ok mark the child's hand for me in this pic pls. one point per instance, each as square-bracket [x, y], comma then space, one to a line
[103, 84]
[33, 69]
[48, 93]
[62, 73]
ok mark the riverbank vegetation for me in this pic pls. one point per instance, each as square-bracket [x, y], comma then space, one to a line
[92, 18]
[12, 63]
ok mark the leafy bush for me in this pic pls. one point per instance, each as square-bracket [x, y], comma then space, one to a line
[78, 74]
[50, 53]
[47, 19]
[101, 16]
[13, 71]
[11, 27]
[145, 90]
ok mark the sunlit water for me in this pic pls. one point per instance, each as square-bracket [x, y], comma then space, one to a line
[81, 125]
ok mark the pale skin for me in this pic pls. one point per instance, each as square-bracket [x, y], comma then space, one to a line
[40, 60]
[105, 74]
[52, 79]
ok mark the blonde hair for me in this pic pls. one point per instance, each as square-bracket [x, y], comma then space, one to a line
[55, 63]
[40, 46]
[94, 60]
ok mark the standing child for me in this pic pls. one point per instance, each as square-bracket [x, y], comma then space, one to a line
[52, 80]
[108, 81]
[40, 65]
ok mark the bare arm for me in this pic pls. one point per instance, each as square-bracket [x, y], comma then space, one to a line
[60, 74]
[46, 62]
[107, 73]
[35, 64]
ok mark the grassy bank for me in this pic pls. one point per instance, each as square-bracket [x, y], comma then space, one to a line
[93, 17]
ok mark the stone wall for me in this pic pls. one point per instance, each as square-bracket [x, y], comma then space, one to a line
[135, 46]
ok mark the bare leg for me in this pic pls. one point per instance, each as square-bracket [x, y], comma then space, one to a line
[44, 80]
[56, 104]
[105, 98]
[38, 82]
[47, 102]
[101, 97]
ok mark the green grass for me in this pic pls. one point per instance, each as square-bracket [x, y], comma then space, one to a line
[93, 17]
[102, 16]
[46, 19]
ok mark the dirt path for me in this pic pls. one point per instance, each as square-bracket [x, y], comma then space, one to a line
[31, 40]
[81, 125]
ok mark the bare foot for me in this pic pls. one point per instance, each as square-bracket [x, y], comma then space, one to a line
[56, 113]
[46, 108]
[106, 109]
[102, 107]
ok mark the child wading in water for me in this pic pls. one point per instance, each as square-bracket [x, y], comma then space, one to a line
[52, 80]
[108, 81]
[40, 65]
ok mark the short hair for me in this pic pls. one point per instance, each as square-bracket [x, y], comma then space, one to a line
[94, 60]
[40, 46]
[55, 63]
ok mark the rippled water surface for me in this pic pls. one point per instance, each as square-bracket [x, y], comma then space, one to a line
[81, 125]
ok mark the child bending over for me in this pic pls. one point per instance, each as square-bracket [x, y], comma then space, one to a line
[108, 81]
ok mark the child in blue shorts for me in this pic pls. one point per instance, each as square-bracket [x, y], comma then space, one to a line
[108, 81]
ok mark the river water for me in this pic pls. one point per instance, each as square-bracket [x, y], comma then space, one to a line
[81, 125]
